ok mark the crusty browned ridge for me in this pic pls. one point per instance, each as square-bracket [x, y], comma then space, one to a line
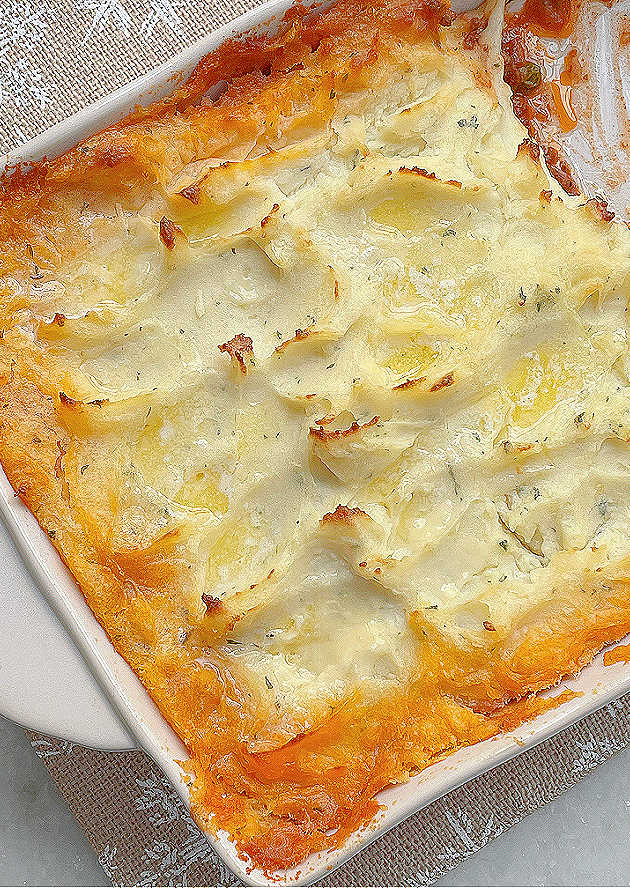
[257, 213]
[240, 349]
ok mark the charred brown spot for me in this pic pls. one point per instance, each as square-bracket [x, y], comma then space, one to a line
[408, 383]
[269, 215]
[488, 626]
[72, 403]
[191, 193]
[444, 382]
[529, 147]
[560, 169]
[59, 319]
[419, 171]
[67, 401]
[545, 196]
[20, 492]
[168, 232]
[344, 515]
[336, 292]
[211, 603]
[325, 420]
[337, 434]
[239, 348]
[600, 209]
[300, 335]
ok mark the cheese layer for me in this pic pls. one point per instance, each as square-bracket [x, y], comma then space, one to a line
[331, 422]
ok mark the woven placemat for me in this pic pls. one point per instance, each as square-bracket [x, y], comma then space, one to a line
[56, 56]
[143, 834]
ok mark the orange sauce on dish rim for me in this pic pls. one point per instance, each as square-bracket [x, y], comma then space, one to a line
[548, 100]
[547, 18]
[563, 105]
[562, 91]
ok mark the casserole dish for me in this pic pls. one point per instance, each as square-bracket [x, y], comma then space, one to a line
[110, 672]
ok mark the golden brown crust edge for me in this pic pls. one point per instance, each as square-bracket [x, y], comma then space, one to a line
[282, 805]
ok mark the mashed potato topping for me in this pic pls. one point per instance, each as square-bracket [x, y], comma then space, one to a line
[322, 390]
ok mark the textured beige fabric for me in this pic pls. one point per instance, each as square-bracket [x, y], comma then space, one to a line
[144, 836]
[57, 56]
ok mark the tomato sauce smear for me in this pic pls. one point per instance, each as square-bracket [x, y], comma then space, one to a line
[544, 106]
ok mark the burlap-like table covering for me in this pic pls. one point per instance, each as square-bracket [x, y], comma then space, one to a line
[55, 57]
[144, 836]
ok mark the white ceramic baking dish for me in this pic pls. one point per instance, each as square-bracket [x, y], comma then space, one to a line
[596, 685]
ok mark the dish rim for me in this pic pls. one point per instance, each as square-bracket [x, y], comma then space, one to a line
[119, 683]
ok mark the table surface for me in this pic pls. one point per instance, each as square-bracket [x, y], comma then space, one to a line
[580, 838]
